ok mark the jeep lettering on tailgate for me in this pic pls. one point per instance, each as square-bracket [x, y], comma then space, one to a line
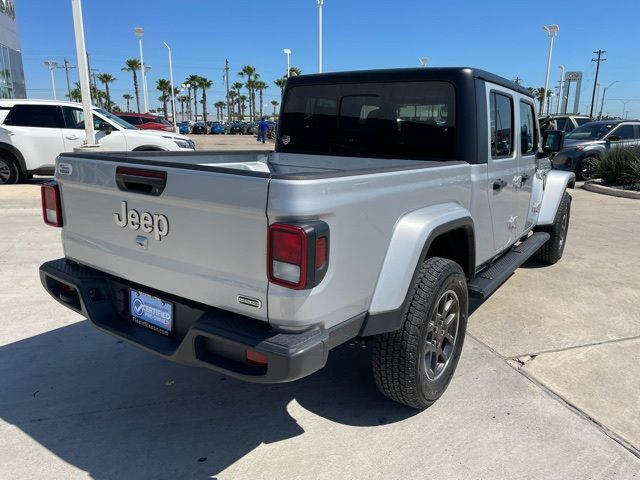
[145, 221]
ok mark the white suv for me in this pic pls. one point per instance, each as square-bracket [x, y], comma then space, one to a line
[34, 132]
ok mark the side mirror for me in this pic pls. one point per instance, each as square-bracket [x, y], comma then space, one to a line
[613, 138]
[552, 141]
[105, 127]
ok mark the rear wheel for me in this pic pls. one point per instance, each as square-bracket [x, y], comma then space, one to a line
[415, 364]
[9, 172]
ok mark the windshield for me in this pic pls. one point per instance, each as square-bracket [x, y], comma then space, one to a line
[117, 120]
[413, 120]
[591, 131]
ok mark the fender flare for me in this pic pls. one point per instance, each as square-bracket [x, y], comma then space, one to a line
[15, 153]
[556, 183]
[410, 242]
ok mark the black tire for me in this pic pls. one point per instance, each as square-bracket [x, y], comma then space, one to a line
[403, 361]
[587, 168]
[552, 251]
[9, 170]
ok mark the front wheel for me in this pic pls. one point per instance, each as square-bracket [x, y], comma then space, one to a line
[415, 364]
[587, 168]
[552, 251]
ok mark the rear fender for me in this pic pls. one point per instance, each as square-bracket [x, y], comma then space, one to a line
[556, 183]
[410, 241]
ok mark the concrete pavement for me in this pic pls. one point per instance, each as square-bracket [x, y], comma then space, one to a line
[530, 400]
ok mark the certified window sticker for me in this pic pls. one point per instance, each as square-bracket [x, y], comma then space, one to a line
[65, 168]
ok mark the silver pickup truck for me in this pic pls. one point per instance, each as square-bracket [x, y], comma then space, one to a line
[391, 197]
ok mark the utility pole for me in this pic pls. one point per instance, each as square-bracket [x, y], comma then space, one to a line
[66, 71]
[604, 92]
[595, 82]
[518, 80]
[226, 81]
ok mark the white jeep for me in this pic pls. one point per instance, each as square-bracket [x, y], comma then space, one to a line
[34, 132]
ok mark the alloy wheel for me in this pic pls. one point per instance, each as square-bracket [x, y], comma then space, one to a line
[441, 335]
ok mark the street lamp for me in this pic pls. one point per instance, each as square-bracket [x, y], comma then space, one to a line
[423, 61]
[604, 92]
[552, 31]
[287, 52]
[187, 86]
[561, 96]
[320, 3]
[173, 93]
[52, 66]
[139, 32]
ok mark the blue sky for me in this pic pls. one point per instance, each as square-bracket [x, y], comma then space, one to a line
[504, 37]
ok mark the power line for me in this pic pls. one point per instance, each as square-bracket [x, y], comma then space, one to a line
[595, 81]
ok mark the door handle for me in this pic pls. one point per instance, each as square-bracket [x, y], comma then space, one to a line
[499, 184]
[73, 137]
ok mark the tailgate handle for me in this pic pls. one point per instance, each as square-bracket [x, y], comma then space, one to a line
[139, 180]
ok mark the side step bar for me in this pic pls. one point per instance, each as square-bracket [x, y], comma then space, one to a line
[488, 280]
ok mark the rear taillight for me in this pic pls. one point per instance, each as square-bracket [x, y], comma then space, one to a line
[51, 206]
[298, 254]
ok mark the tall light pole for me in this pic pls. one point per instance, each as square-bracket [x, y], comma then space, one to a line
[561, 96]
[287, 52]
[552, 31]
[139, 32]
[604, 92]
[173, 93]
[83, 72]
[320, 3]
[423, 61]
[52, 66]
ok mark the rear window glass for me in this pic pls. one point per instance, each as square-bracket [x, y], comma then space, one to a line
[414, 120]
[43, 116]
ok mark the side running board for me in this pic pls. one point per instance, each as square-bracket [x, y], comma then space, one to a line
[488, 280]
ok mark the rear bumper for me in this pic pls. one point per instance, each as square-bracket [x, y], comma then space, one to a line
[203, 336]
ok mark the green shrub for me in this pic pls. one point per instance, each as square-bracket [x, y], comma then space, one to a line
[620, 166]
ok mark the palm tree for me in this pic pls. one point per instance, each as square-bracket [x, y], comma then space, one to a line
[280, 83]
[242, 99]
[193, 81]
[182, 99]
[294, 71]
[249, 72]
[164, 86]
[261, 86]
[237, 86]
[133, 65]
[232, 103]
[76, 95]
[127, 97]
[204, 83]
[220, 105]
[275, 103]
[106, 79]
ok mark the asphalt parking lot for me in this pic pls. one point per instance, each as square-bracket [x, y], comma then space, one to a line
[548, 386]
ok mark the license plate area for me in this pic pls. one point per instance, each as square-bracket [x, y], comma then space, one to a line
[151, 312]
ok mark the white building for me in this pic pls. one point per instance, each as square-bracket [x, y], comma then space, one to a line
[11, 71]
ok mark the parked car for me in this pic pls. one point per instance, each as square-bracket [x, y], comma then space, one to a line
[564, 123]
[386, 205]
[585, 145]
[252, 128]
[217, 128]
[146, 121]
[184, 128]
[271, 132]
[200, 128]
[238, 128]
[34, 132]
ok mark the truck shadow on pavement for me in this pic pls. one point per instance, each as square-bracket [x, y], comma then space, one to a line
[115, 411]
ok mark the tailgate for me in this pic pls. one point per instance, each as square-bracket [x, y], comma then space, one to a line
[203, 237]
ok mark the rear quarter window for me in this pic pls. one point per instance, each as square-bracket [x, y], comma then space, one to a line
[412, 120]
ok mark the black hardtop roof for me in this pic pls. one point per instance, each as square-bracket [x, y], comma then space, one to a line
[453, 74]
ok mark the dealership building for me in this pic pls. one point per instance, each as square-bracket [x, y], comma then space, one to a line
[11, 71]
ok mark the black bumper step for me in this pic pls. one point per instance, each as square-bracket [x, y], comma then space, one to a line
[488, 280]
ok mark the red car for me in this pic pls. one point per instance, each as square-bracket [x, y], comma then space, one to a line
[146, 121]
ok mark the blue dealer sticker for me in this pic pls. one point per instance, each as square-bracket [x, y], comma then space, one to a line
[151, 312]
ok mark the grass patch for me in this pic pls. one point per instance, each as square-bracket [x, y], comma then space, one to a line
[620, 166]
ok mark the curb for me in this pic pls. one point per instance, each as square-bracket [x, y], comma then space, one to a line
[596, 187]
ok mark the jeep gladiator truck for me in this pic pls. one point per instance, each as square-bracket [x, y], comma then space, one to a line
[391, 197]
